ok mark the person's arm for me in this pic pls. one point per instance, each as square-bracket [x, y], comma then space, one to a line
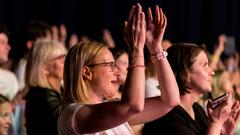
[214, 129]
[134, 35]
[59, 34]
[166, 78]
[62, 34]
[158, 106]
[217, 53]
[108, 39]
[73, 40]
[94, 118]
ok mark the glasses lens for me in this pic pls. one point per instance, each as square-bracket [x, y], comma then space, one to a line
[113, 66]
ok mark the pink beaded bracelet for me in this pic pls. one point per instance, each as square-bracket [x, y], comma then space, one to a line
[133, 66]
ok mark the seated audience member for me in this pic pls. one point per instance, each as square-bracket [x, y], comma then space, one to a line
[90, 82]
[43, 87]
[8, 82]
[190, 65]
[121, 59]
[34, 31]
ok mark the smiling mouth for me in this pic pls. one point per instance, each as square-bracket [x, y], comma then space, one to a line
[114, 81]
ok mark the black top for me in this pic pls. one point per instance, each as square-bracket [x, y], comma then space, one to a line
[43, 107]
[179, 122]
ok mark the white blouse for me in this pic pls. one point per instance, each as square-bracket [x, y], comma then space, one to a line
[66, 123]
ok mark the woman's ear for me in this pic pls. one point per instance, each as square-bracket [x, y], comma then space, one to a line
[86, 72]
[188, 79]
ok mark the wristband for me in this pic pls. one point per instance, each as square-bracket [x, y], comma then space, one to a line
[159, 56]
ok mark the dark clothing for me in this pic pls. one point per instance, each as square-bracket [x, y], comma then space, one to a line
[179, 122]
[43, 107]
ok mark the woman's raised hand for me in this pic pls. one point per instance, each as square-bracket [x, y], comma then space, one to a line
[135, 28]
[155, 29]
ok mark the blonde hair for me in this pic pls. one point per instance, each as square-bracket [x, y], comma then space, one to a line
[80, 55]
[43, 51]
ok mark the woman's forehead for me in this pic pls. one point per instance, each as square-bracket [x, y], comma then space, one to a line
[202, 56]
[105, 55]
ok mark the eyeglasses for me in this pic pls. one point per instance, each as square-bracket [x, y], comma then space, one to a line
[6, 116]
[112, 65]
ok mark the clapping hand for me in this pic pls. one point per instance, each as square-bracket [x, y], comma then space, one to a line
[155, 30]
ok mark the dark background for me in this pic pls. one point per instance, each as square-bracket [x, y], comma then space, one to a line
[198, 21]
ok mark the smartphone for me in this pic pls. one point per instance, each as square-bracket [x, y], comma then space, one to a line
[218, 101]
[230, 45]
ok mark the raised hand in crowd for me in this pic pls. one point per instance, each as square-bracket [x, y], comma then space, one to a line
[108, 39]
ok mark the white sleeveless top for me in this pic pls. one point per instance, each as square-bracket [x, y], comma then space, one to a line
[66, 123]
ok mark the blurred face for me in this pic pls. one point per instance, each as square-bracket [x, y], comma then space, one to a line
[122, 65]
[5, 118]
[200, 74]
[4, 48]
[56, 67]
[104, 75]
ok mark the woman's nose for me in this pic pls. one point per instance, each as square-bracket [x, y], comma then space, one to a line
[212, 73]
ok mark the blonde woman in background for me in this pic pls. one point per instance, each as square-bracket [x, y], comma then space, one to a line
[43, 86]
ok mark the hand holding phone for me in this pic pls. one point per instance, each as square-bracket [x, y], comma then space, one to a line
[218, 101]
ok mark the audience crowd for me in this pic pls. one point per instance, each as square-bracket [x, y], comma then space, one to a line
[70, 85]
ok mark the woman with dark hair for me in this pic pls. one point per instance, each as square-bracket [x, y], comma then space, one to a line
[190, 65]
